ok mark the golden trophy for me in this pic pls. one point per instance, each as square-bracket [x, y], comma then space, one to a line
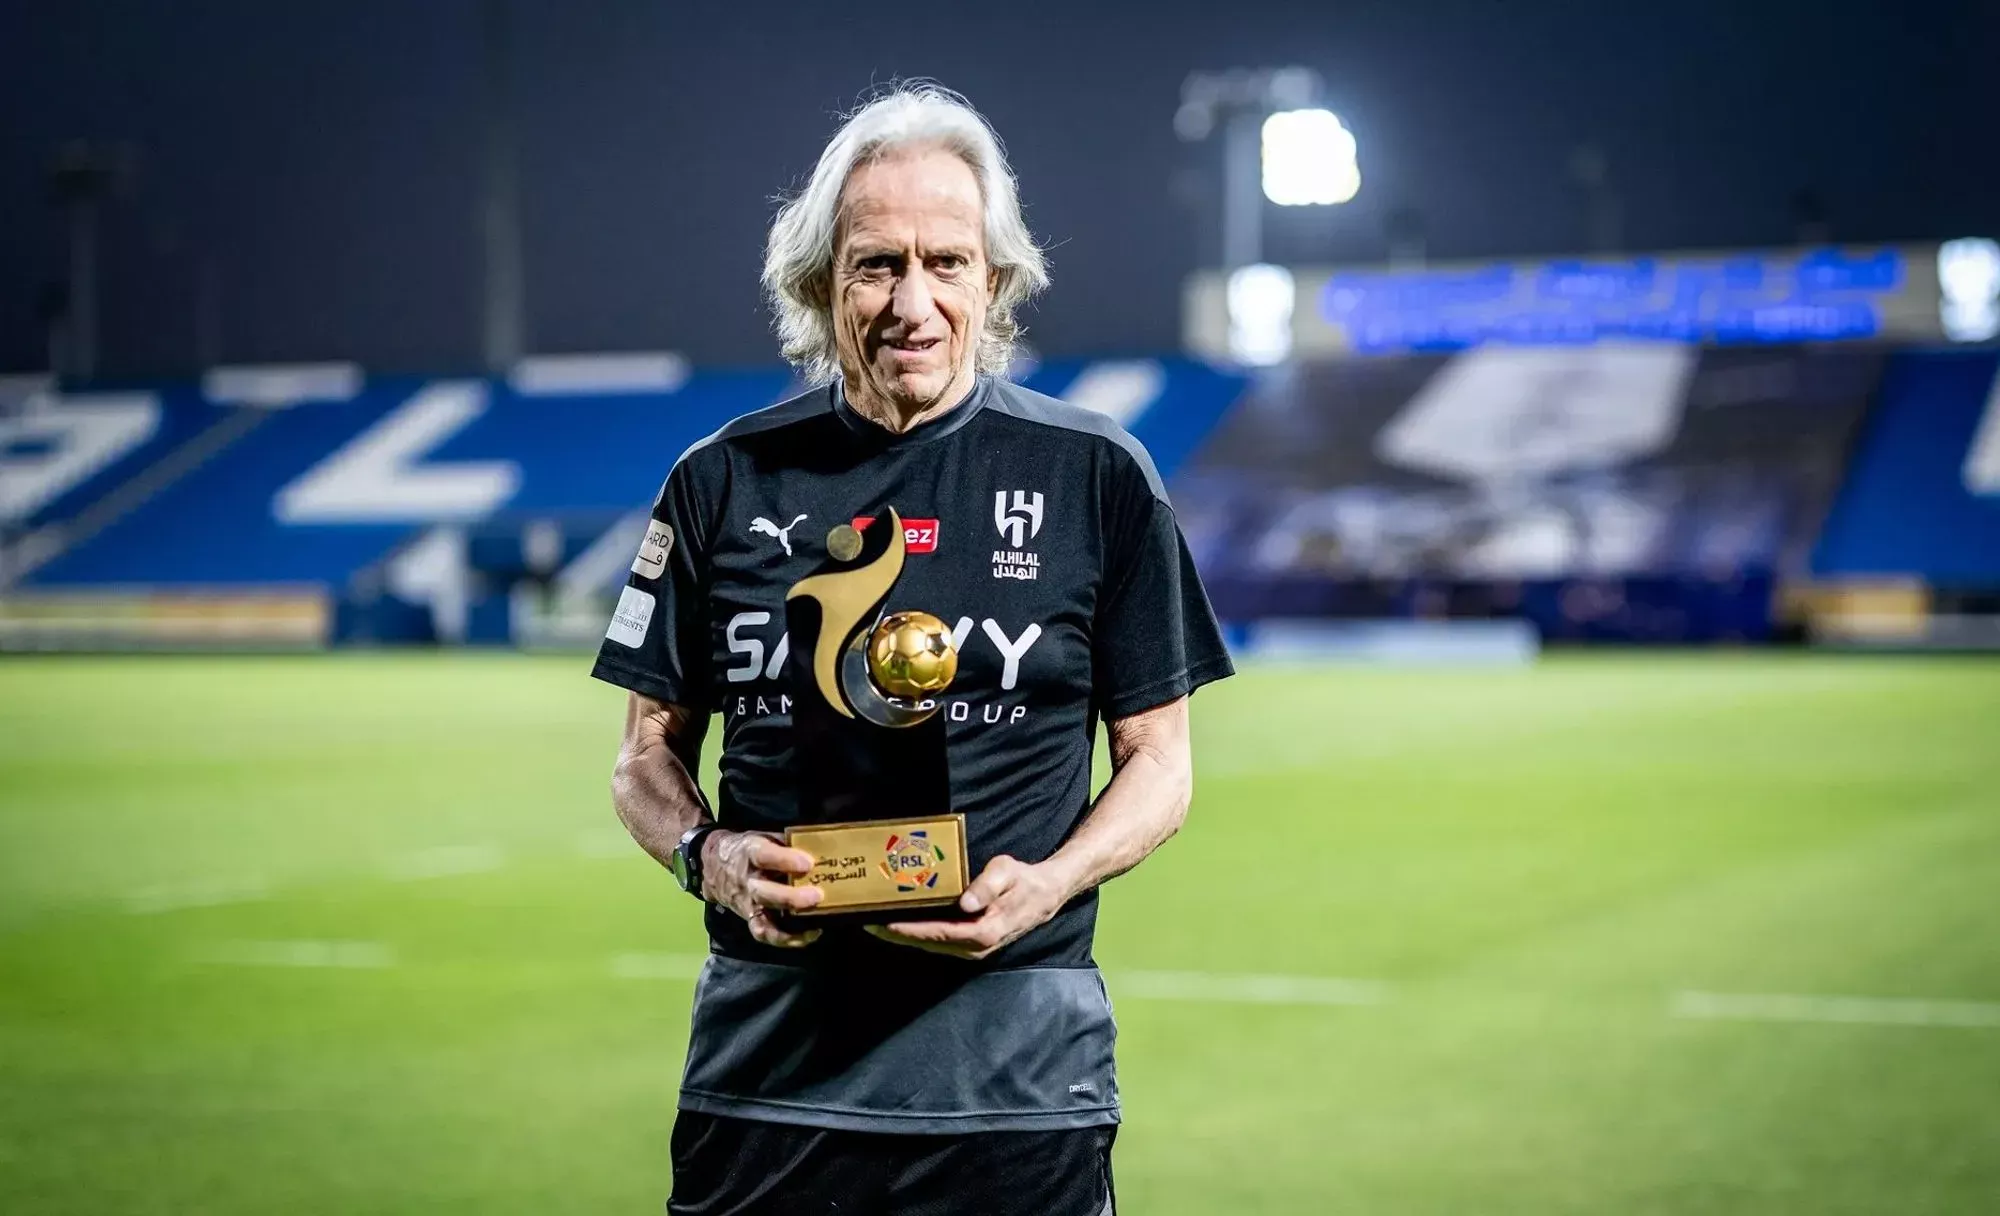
[868, 741]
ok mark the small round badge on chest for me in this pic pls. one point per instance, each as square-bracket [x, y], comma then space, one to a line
[843, 543]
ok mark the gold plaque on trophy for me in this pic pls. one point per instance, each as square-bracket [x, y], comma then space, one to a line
[881, 866]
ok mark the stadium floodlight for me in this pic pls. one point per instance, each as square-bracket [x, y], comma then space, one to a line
[1236, 105]
[1969, 289]
[1261, 298]
[1309, 159]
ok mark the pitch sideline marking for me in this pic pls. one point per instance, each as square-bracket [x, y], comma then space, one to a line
[176, 897]
[1837, 1010]
[1226, 988]
[442, 862]
[344, 955]
[447, 861]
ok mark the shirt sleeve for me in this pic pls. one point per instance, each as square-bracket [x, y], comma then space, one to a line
[657, 643]
[1155, 638]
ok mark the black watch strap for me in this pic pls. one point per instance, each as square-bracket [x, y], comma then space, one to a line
[686, 863]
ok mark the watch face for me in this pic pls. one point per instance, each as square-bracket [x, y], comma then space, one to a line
[682, 871]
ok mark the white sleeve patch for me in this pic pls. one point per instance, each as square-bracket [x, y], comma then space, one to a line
[652, 559]
[629, 621]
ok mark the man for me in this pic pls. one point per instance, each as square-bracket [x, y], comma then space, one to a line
[928, 1066]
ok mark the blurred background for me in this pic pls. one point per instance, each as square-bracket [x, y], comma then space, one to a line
[1585, 418]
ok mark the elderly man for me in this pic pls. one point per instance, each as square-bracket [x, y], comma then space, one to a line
[930, 1066]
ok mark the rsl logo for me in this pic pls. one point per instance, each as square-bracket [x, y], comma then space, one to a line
[911, 861]
[1018, 516]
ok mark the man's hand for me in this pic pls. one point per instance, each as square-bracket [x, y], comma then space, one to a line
[1152, 780]
[1009, 898]
[747, 872]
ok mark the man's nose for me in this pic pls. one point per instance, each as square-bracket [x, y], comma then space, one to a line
[913, 302]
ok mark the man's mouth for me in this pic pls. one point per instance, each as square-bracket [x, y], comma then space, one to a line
[910, 346]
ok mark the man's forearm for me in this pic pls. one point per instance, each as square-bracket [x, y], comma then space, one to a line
[652, 789]
[1145, 804]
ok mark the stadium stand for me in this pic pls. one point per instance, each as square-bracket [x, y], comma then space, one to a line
[1923, 495]
[1489, 482]
[420, 505]
[1635, 492]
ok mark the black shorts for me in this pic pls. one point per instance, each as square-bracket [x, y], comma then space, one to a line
[742, 1167]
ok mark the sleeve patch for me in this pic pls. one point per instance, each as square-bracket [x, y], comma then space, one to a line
[634, 614]
[652, 559]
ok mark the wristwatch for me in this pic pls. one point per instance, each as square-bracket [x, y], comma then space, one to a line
[686, 860]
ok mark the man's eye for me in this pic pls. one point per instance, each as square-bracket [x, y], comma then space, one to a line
[878, 264]
[948, 263]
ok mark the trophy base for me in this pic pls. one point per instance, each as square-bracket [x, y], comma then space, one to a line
[879, 870]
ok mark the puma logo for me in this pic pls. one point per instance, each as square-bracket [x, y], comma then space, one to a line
[764, 527]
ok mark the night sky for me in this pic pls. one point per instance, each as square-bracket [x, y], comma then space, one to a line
[323, 155]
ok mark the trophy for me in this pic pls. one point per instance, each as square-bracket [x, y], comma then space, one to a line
[873, 777]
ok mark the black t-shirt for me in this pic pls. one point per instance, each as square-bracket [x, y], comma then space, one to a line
[1041, 533]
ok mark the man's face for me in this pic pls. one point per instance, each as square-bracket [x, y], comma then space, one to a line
[910, 280]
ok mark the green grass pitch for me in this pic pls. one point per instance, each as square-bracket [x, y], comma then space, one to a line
[360, 934]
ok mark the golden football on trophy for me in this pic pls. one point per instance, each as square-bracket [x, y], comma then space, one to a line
[911, 655]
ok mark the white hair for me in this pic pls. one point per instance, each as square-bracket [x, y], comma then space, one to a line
[798, 256]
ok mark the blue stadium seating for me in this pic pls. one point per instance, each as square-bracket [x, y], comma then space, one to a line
[1922, 495]
[1489, 483]
[316, 492]
[166, 417]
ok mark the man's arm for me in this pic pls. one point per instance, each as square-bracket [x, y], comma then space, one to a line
[1152, 783]
[653, 786]
[657, 798]
[1146, 802]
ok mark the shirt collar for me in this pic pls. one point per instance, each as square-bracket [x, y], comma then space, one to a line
[936, 428]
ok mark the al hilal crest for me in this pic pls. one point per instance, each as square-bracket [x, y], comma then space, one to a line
[1019, 520]
[911, 861]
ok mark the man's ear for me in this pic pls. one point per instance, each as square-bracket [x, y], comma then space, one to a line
[992, 282]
